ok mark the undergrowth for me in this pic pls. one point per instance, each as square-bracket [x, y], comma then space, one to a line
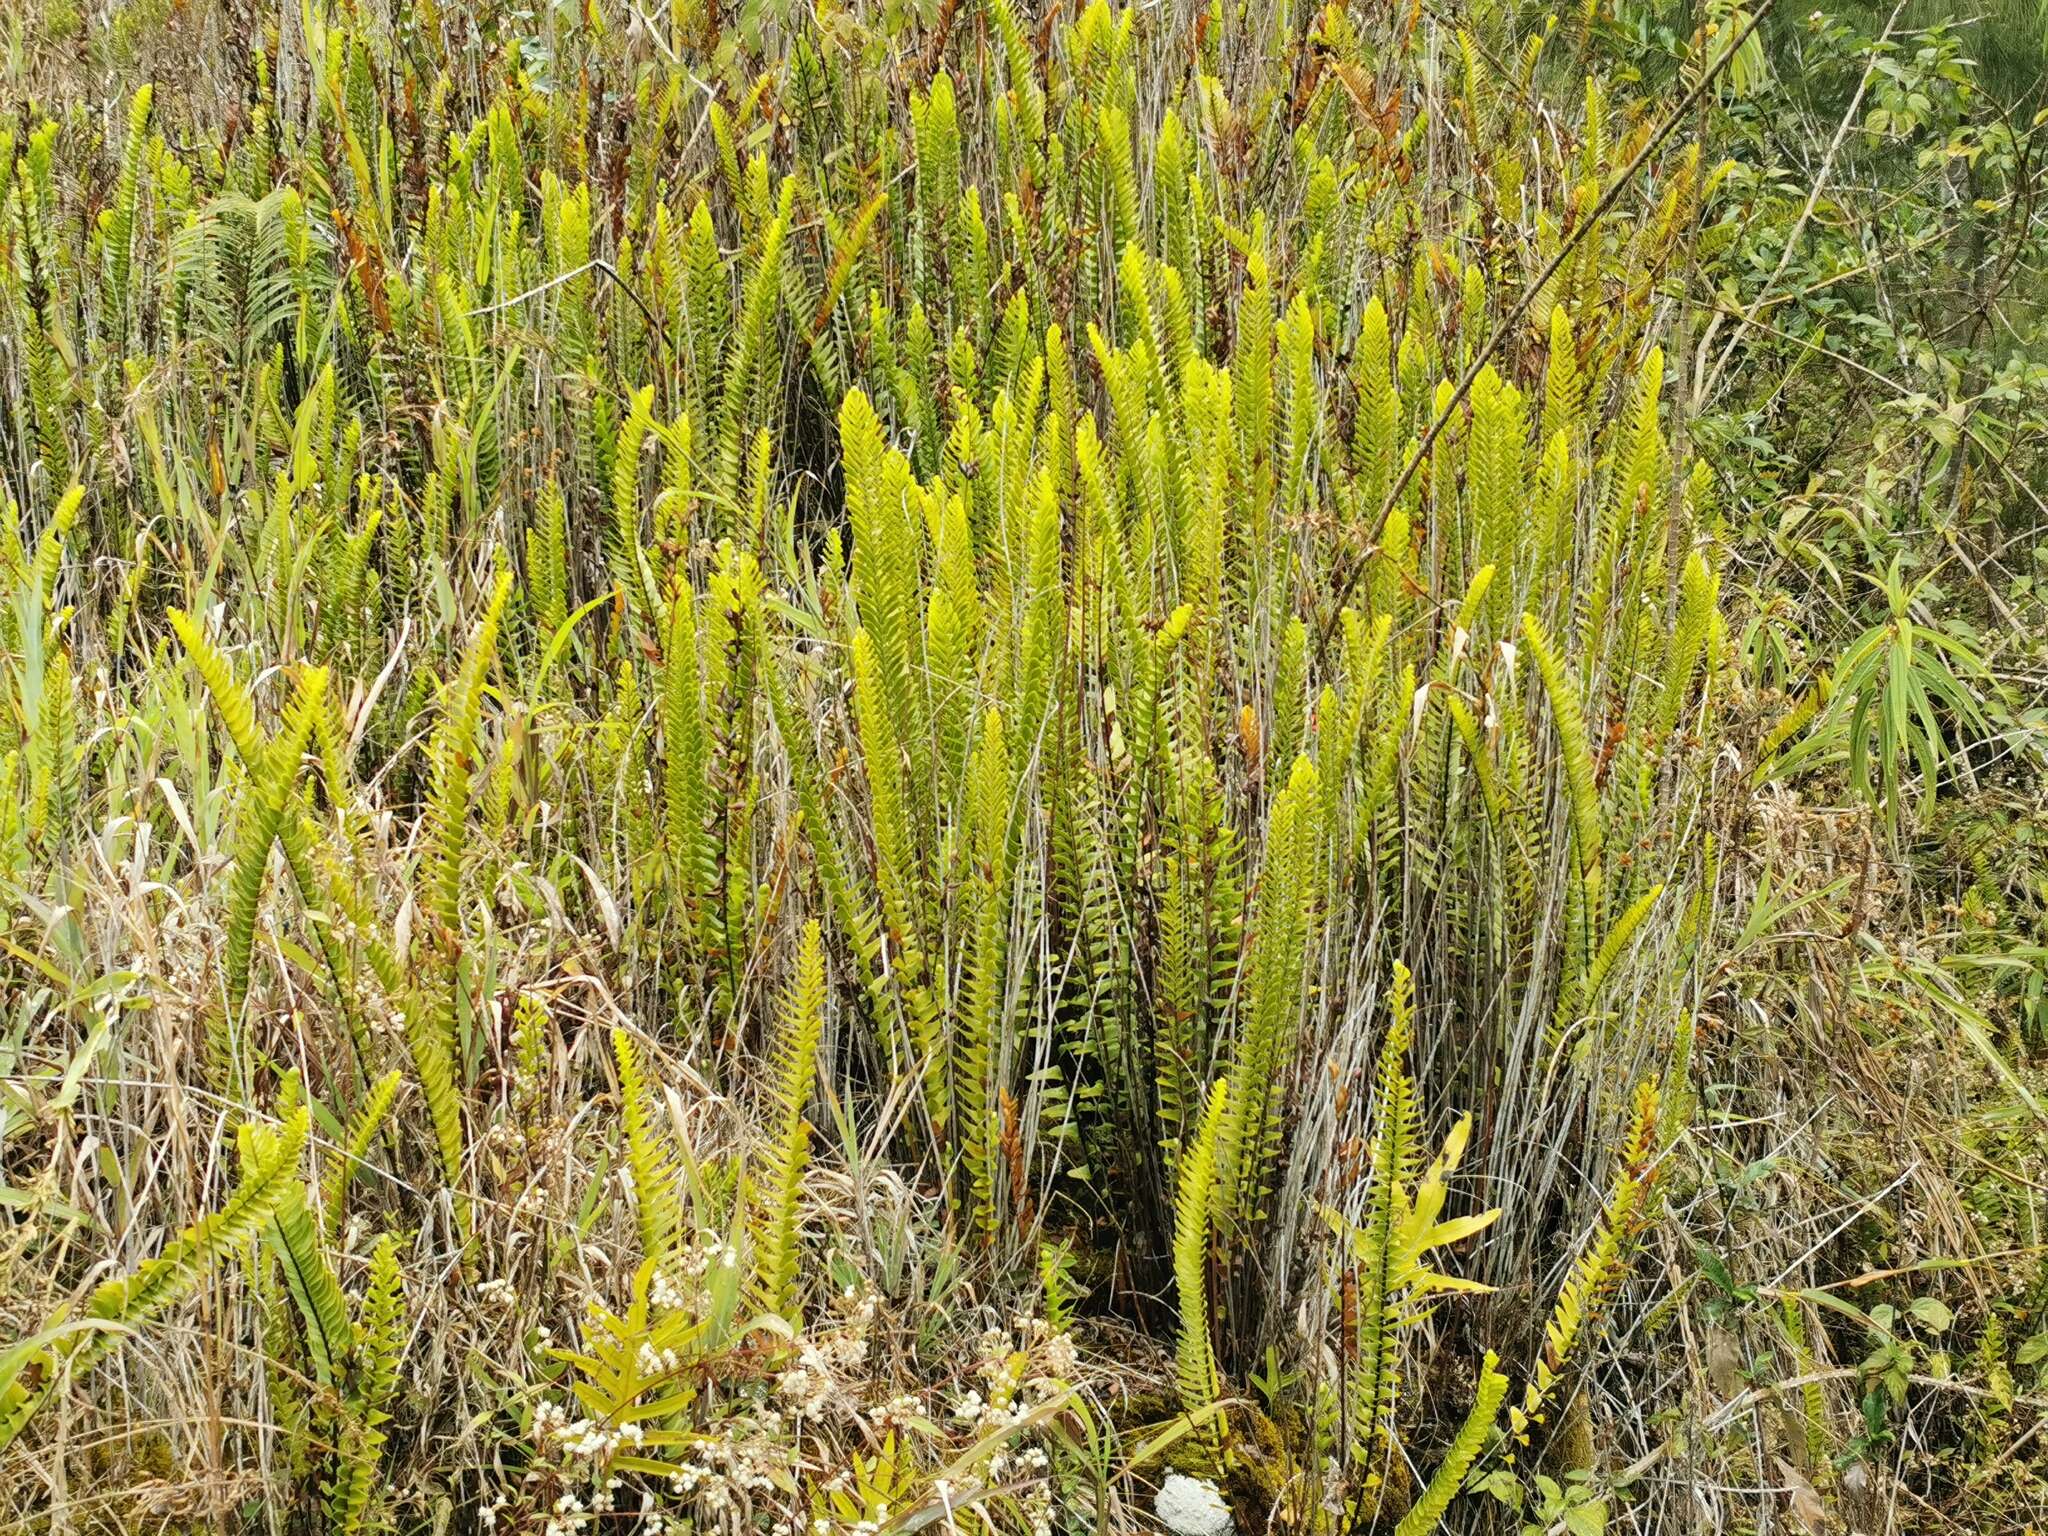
[873, 769]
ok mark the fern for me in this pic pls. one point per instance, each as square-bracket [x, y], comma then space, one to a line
[430, 1023]
[237, 709]
[978, 1039]
[118, 222]
[453, 755]
[649, 1164]
[1427, 1512]
[748, 356]
[1194, 1359]
[1272, 989]
[1375, 428]
[363, 1127]
[795, 1069]
[120, 1306]
[547, 561]
[1393, 1166]
[294, 1240]
[271, 794]
[685, 773]
[1582, 797]
[379, 1345]
[893, 874]
[1600, 1266]
[628, 556]
[1107, 631]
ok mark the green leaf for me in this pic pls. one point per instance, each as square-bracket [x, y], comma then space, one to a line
[1932, 1311]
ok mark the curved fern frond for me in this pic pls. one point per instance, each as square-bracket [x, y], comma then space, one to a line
[1273, 995]
[1582, 794]
[122, 1305]
[380, 1343]
[1601, 1264]
[355, 1146]
[237, 708]
[454, 762]
[294, 1239]
[1393, 1166]
[979, 1038]
[271, 799]
[1427, 1512]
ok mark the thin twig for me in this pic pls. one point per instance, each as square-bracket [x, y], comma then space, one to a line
[1820, 181]
[1512, 324]
[595, 264]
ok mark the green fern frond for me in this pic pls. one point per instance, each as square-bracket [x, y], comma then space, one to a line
[351, 1493]
[271, 796]
[685, 754]
[1427, 1512]
[122, 1305]
[1393, 1166]
[237, 709]
[453, 755]
[355, 1147]
[294, 1240]
[795, 1068]
[1194, 1358]
[1273, 993]
[1601, 1264]
[1582, 796]
[118, 222]
[978, 1039]
[657, 1208]
[750, 356]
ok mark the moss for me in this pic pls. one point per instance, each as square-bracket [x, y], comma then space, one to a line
[1147, 1415]
[133, 1476]
[1571, 1444]
[1259, 1470]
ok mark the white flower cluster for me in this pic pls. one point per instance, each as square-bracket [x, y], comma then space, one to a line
[1040, 1370]
[899, 1412]
[664, 1294]
[817, 1382]
[710, 1250]
[657, 1362]
[1016, 1383]
[720, 1472]
[1059, 1358]
[1031, 1467]
[583, 1438]
[867, 1527]
[1000, 1411]
[566, 1515]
